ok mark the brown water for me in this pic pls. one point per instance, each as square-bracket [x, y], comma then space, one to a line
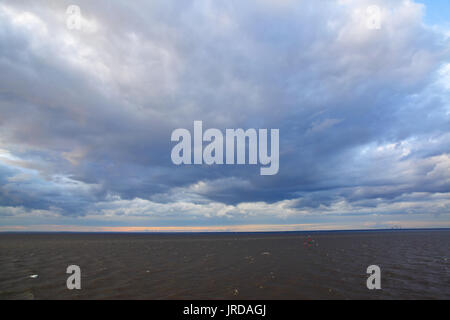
[414, 265]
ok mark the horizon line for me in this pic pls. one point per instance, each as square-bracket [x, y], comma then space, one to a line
[217, 232]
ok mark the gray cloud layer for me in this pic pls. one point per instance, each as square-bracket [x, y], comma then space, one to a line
[86, 115]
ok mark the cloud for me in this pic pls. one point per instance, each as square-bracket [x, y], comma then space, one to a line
[86, 115]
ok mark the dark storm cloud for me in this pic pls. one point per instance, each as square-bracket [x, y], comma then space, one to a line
[363, 114]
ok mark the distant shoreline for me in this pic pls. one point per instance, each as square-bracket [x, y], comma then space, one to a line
[226, 232]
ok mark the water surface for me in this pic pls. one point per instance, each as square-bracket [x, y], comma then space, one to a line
[315, 265]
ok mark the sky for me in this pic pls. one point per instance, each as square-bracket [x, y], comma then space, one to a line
[86, 114]
[437, 12]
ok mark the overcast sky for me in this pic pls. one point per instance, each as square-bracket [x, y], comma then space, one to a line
[86, 115]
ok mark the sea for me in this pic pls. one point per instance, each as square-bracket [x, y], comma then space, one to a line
[414, 264]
